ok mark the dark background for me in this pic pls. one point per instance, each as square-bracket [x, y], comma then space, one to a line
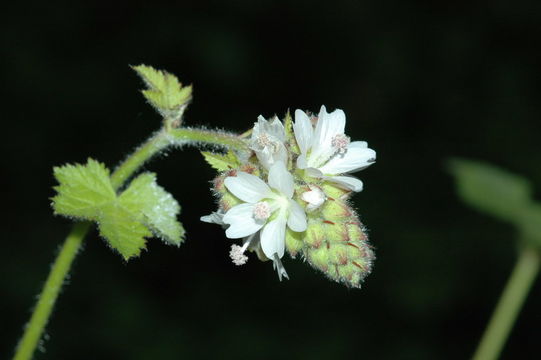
[420, 81]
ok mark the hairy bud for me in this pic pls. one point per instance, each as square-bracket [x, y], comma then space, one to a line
[336, 242]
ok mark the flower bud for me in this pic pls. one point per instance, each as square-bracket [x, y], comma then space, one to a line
[335, 192]
[336, 210]
[338, 248]
[294, 242]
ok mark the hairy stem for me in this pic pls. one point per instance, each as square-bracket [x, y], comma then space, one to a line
[125, 170]
[209, 137]
[511, 301]
[141, 155]
[50, 291]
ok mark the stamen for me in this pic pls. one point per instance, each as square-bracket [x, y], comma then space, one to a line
[237, 254]
[262, 211]
[266, 142]
[340, 143]
[263, 140]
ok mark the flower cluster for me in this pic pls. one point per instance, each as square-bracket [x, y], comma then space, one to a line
[291, 193]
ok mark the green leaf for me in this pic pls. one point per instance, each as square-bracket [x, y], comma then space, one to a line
[123, 231]
[529, 224]
[158, 208]
[491, 190]
[164, 91]
[221, 162]
[82, 190]
[85, 192]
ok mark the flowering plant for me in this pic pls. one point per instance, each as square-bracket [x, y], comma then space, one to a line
[282, 186]
[291, 193]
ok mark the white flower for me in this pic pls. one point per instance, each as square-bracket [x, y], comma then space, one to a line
[266, 208]
[315, 197]
[326, 152]
[267, 141]
[237, 252]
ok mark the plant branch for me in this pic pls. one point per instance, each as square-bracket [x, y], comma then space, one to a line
[207, 137]
[158, 142]
[141, 155]
[509, 305]
[52, 287]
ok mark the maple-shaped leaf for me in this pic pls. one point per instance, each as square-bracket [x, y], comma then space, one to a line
[164, 91]
[221, 162]
[125, 220]
[158, 208]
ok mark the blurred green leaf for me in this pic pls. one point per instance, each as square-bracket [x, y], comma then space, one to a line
[85, 192]
[221, 162]
[530, 224]
[490, 189]
[164, 91]
[499, 193]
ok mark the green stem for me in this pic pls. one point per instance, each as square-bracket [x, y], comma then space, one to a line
[509, 305]
[50, 291]
[141, 155]
[209, 137]
[62, 264]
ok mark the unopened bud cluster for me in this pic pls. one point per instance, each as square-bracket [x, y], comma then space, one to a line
[292, 194]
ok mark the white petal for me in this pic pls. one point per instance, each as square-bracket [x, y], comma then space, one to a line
[273, 127]
[267, 157]
[301, 162]
[303, 130]
[259, 127]
[247, 187]
[347, 182]
[281, 154]
[357, 157]
[264, 157]
[273, 237]
[261, 123]
[314, 172]
[280, 179]
[276, 129]
[241, 221]
[359, 144]
[214, 218]
[328, 126]
[296, 220]
[268, 141]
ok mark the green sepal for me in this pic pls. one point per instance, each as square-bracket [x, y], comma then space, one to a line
[85, 192]
[221, 162]
[290, 134]
[164, 91]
